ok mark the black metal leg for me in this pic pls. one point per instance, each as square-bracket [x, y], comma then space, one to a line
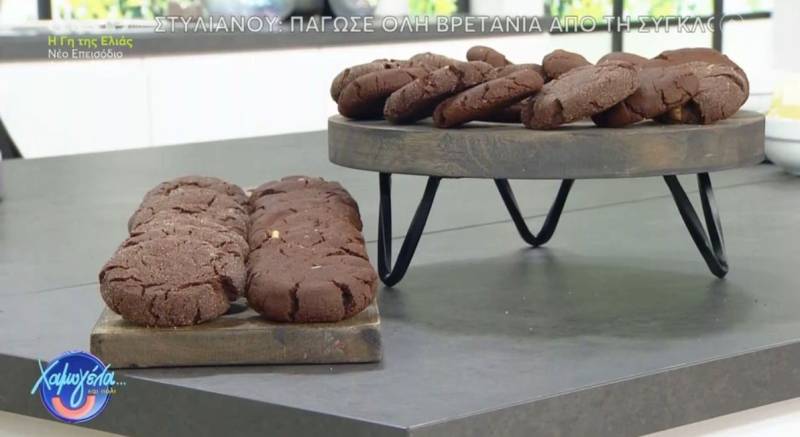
[711, 245]
[392, 275]
[550, 222]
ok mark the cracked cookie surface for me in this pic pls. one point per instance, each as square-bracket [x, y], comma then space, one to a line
[364, 97]
[352, 73]
[328, 231]
[482, 100]
[166, 224]
[293, 283]
[206, 182]
[321, 194]
[721, 92]
[417, 99]
[307, 213]
[660, 90]
[193, 201]
[171, 281]
[308, 261]
[706, 55]
[292, 183]
[581, 93]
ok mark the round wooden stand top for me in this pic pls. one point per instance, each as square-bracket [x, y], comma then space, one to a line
[576, 151]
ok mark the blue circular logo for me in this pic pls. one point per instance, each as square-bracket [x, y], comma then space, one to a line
[75, 387]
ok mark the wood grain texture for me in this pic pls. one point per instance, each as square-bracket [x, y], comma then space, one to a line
[576, 151]
[238, 338]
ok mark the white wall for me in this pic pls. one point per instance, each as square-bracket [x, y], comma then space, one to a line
[18, 11]
[786, 17]
[55, 108]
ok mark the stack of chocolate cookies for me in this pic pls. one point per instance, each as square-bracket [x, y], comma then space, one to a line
[293, 248]
[693, 85]
[308, 261]
[184, 261]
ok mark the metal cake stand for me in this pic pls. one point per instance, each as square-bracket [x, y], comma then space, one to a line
[579, 151]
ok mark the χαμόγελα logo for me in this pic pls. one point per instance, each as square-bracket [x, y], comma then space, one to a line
[75, 386]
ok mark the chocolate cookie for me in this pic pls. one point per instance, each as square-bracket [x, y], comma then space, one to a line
[624, 57]
[308, 261]
[660, 90]
[292, 183]
[508, 114]
[581, 93]
[211, 183]
[418, 99]
[292, 283]
[297, 194]
[166, 224]
[511, 114]
[352, 73]
[270, 218]
[721, 92]
[333, 232]
[296, 200]
[431, 61]
[482, 100]
[560, 61]
[487, 55]
[696, 54]
[201, 202]
[170, 281]
[702, 54]
[364, 97]
[508, 69]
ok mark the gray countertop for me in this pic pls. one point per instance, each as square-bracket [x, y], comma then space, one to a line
[615, 328]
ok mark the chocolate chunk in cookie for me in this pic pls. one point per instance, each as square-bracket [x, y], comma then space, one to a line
[291, 283]
[171, 281]
[192, 201]
[560, 61]
[418, 99]
[581, 93]
[481, 101]
[308, 261]
[364, 98]
[487, 55]
[352, 73]
[660, 90]
[721, 92]
[206, 182]
[630, 58]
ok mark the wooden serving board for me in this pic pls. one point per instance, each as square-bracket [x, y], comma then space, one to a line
[239, 337]
[575, 151]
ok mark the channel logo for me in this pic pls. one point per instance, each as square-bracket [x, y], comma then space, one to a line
[75, 387]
